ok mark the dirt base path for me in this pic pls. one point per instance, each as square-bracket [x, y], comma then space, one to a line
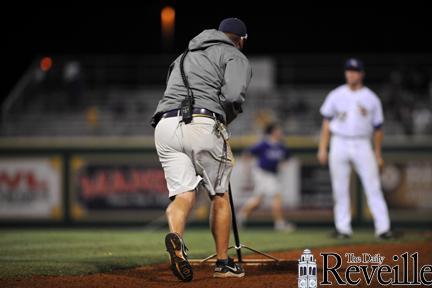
[159, 276]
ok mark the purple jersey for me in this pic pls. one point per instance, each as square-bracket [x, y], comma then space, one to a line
[269, 155]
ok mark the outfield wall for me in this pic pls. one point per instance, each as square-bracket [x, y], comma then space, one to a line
[119, 181]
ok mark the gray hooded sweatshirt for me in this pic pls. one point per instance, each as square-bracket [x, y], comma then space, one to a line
[217, 72]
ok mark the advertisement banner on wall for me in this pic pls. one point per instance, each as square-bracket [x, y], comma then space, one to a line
[31, 188]
[117, 187]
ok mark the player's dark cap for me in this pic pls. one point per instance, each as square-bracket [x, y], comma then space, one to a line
[269, 128]
[233, 25]
[354, 65]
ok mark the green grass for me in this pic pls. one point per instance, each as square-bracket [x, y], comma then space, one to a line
[83, 251]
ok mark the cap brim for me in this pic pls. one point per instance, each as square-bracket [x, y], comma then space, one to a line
[354, 69]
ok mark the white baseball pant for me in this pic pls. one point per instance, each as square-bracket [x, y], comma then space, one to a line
[358, 152]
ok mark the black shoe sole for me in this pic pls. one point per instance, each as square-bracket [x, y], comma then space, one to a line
[180, 267]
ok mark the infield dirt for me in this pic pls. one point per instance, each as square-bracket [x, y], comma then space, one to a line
[159, 276]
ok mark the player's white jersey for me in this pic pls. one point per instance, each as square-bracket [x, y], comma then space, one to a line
[352, 113]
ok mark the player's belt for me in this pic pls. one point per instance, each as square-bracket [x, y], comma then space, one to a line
[351, 137]
[197, 112]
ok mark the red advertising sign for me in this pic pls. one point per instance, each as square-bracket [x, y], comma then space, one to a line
[30, 188]
[126, 186]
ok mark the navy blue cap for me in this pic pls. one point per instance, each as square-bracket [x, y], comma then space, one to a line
[354, 64]
[233, 25]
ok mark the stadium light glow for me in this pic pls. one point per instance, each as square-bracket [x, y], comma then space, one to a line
[45, 64]
[167, 22]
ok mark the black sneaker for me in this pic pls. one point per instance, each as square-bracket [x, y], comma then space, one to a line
[339, 235]
[388, 235]
[176, 248]
[227, 268]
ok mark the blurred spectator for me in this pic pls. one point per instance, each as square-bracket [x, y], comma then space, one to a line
[292, 106]
[74, 84]
[92, 117]
[418, 83]
[400, 95]
[392, 94]
[422, 119]
[118, 110]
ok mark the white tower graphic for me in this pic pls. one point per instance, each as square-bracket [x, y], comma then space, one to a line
[307, 270]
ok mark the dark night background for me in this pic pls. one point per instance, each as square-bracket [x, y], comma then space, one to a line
[274, 27]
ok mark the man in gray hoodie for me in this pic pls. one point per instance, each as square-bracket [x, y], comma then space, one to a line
[206, 87]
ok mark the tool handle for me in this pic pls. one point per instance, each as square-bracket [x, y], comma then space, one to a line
[234, 226]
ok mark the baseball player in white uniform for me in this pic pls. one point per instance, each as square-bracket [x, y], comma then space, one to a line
[352, 115]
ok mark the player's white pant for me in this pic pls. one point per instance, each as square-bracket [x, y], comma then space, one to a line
[265, 183]
[359, 153]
